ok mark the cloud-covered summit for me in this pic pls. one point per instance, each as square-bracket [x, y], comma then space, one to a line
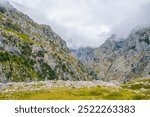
[84, 23]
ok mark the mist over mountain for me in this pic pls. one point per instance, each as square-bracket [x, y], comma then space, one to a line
[120, 61]
[139, 19]
[88, 23]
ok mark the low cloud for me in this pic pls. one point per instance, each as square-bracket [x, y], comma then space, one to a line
[84, 23]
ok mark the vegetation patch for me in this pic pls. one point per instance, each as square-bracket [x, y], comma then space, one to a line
[19, 68]
[2, 9]
[84, 93]
[138, 84]
[23, 37]
[38, 85]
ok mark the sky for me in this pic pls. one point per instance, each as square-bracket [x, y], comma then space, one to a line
[83, 23]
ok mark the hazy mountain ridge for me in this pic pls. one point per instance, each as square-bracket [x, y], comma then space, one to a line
[120, 60]
[29, 51]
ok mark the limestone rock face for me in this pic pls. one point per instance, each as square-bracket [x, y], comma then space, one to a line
[29, 51]
[119, 60]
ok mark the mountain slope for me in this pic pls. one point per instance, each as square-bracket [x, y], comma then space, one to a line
[120, 60]
[29, 51]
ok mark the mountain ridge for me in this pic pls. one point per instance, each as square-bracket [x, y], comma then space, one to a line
[121, 61]
[30, 51]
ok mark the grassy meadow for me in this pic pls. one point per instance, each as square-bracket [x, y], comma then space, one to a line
[134, 90]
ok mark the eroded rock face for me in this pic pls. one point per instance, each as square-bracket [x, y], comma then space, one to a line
[120, 60]
[29, 51]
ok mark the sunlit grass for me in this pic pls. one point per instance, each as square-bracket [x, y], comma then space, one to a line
[23, 37]
[84, 93]
[138, 84]
[134, 90]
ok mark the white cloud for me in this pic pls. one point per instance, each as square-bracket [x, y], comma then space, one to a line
[87, 22]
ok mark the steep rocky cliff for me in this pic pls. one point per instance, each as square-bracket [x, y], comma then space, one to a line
[119, 60]
[29, 51]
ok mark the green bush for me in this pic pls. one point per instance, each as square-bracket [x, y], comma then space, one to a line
[9, 24]
[40, 54]
[26, 50]
[20, 67]
[2, 9]
[4, 56]
[47, 72]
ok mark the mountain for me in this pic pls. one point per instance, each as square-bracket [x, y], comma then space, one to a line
[33, 52]
[119, 61]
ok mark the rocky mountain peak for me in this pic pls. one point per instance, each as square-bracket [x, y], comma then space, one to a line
[121, 60]
[139, 39]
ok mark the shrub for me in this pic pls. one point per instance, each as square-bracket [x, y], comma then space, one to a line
[2, 9]
[4, 56]
[12, 26]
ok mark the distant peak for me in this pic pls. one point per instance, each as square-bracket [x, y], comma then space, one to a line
[112, 37]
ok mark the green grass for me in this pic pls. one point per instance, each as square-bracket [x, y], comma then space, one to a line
[134, 90]
[84, 93]
[26, 38]
[37, 85]
[138, 84]
[1, 15]
[23, 37]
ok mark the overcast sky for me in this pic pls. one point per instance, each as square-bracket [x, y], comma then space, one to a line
[84, 23]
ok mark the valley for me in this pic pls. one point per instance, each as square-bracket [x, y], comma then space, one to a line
[36, 63]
